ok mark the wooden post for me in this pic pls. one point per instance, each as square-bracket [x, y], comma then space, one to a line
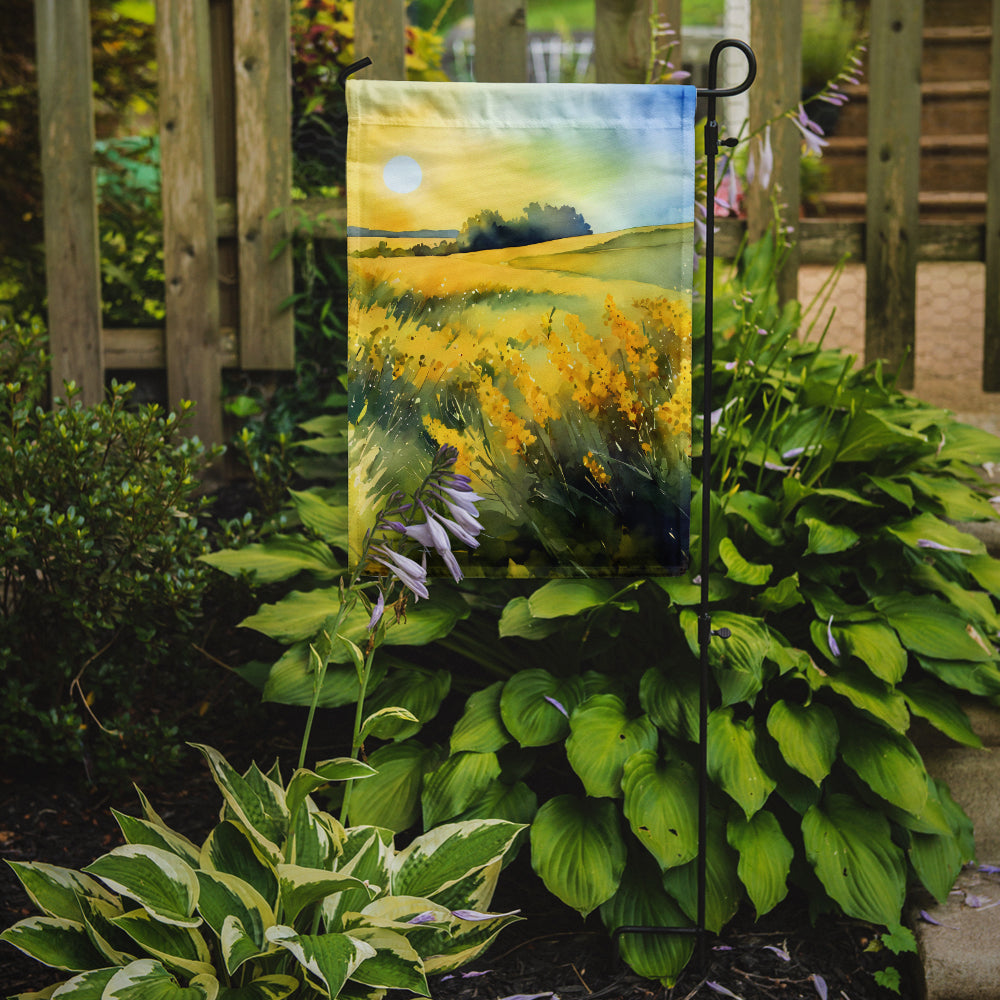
[893, 183]
[623, 37]
[72, 255]
[776, 35]
[991, 333]
[380, 34]
[261, 57]
[501, 37]
[190, 254]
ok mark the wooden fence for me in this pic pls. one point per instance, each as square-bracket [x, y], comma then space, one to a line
[226, 161]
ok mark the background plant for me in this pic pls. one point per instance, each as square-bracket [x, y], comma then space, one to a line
[101, 587]
[279, 899]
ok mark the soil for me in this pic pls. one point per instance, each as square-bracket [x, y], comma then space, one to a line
[551, 952]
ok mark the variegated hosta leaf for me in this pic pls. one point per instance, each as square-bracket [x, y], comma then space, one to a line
[391, 799]
[274, 987]
[535, 706]
[328, 959]
[441, 857]
[315, 838]
[55, 941]
[732, 760]
[467, 940]
[177, 947]
[304, 782]
[224, 897]
[141, 831]
[481, 727]
[456, 784]
[475, 891]
[56, 891]
[661, 799]
[765, 858]
[578, 851]
[642, 902]
[888, 763]
[417, 690]
[230, 849]
[300, 887]
[116, 947]
[395, 964]
[723, 889]
[86, 986]
[158, 880]
[367, 853]
[807, 736]
[850, 847]
[147, 979]
[602, 737]
[256, 801]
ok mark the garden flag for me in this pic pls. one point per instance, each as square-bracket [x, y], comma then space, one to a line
[520, 262]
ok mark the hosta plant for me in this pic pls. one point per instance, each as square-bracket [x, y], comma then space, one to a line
[279, 900]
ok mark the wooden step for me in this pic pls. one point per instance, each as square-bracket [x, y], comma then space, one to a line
[956, 53]
[957, 206]
[946, 162]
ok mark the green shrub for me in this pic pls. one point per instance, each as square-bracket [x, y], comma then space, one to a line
[279, 900]
[101, 584]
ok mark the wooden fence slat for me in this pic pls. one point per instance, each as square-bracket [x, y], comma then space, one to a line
[380, 34]
[190, 253]
[72, 256]
[262, 61]
[893, 184]
[991, 331]
[501, 41]
[622, 39]
[776, 36]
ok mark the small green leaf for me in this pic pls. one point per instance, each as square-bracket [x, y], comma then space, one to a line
[739, 569]
[828, 539]
[481, 727]
[565, 597]
[807, 736]
[765, 858]
[732, 760]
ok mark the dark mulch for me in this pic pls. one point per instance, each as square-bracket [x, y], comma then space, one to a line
[551, 951]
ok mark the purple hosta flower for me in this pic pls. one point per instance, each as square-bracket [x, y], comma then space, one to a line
[831, 642]
[820, 984]
[811, 132]
[472, 974]
[475, 915]
[427, 917]
[412, 575]
[780, 952]
[719, 988]
[927, 918]
[431, 535]
[377, 611]
[990, 869]
[727, 198]
[927, 543]
[558, 705]
[760, 165]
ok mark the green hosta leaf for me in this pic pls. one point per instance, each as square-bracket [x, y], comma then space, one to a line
[142, 831]
[387, 723]
[180, 948]
[304, 782]
[986, 571]
[876, 646]
[941, 709]
[291, 680]
[957, 501]
[518, 621]
[561, 598]
[965, 443]
[56, 891]
[684, 592]
[441, 857]
[279, 558]
[758, 511]
[975, 605]
[641, 901]
[661, 798]
[807, 736]
[578, 851]
[937, 859]
[527, 711]
[301, 887]
[602, 738]
[274, 987]
[230, 849]
[871, 435]
[330, 959]
[54, 941]
[516, 803]
[160, 882]
[723, 889]
[827, 539]
[976, 678]
[765, 858]
[732, 760]
[260, 809]
[395, 964]
[147, 979]
[928, 528]
[888, 763]
[783, 595]
[456, 784]
[391, 798]
[481, 728]
[741, 571]
[865, 692]
[417, 690]
[931, 628]
[738, 661]
[671, 700]
[893, 488]
[850, 848]
[327, 520]
[225, 897]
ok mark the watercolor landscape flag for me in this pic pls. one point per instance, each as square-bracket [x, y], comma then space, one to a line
[520, 262]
